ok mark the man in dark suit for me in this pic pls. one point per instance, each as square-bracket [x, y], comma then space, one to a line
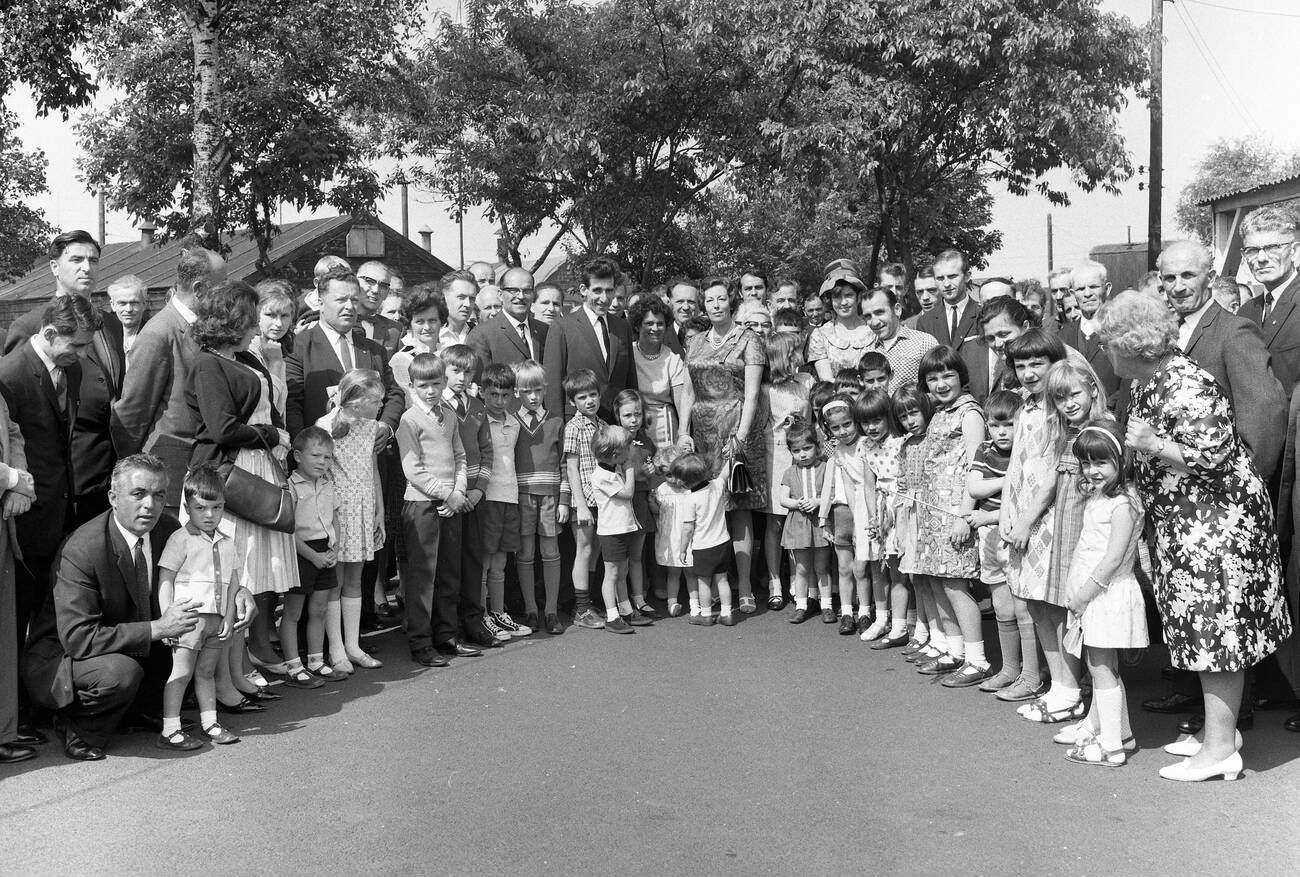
[333, 346]
[1271, 248]
[152, 414]
[41, 384]
[1091, 287]
[74, 262]
[952, 319]
[376, 282]
[590, 337]
[512, 335]
[96, 648]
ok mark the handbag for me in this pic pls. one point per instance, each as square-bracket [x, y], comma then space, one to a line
[740, 482]
[266, 503]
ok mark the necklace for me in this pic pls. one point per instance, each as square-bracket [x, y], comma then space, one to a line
[651, 356]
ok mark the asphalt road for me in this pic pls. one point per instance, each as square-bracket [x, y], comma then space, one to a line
[766, 748]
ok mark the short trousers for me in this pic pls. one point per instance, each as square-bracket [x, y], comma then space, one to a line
[204, 635]
[994, 556]
[498, 526]
[841, 525]
[537, 515]
[309, 577]
[711, 561]
[617, 548]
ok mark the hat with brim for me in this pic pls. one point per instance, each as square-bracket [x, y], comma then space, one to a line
[835, 278]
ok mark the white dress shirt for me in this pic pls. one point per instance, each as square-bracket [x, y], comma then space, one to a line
[131, 539]
[336, 338]
[1190, 322]
[595, 318]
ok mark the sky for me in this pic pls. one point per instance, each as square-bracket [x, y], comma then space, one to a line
[1235, 80]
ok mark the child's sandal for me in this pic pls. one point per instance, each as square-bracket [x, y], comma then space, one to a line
[301, 678]
[1093, 753]
[1037, 711]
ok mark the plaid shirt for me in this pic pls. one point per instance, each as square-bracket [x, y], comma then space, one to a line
[905, 352]
[578, 433]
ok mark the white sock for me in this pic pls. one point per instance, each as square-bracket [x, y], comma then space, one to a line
[1110, 708]
[975, 655]
[171, 725]
[334, 630]
[864, 611]
[801, 603]
[207, 718]
[625, 608]
[921, 632]
[611, 614]
[695, 603]
[882, 611]
[957, 648]
[938, 641]
[350, 608]
[1060, 697]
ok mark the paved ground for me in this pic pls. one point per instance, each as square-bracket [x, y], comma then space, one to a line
[760, 749]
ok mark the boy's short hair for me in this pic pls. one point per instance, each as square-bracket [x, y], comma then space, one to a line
[427, 367]
[1002, 405]
[529, 375]
[580, 381]
[461, 356]
[690, 469]
[609, 442]
[498, 376]
[873, 361]
[311, 435]
[204, 482]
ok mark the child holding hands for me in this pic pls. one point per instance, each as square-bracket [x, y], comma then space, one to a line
[613, 482]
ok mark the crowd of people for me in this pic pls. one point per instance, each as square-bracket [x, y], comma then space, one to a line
[214, 498]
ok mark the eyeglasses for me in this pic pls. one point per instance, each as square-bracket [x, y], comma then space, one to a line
[515, 291]
[370, 281]
[1266, 249]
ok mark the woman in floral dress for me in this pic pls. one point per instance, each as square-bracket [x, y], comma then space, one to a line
[840, 342]
[726, 366]
[1218, 579]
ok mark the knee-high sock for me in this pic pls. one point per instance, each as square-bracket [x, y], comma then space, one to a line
[1110, 709]
[527, 584]
[351, 610]
[551, 582]
[1031, 666]
[1009, 640]
[334, 631]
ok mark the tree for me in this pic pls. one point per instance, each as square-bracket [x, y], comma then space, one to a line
[298, 81]
[1229, 164]
[23, 229]
[39, 43]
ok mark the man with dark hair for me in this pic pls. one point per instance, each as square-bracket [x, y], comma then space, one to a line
[684, 298]
[903, 347]
[952, 321]
[74, 262]
[590, 337]
[459, 291]
[41, 384]
[153, 414]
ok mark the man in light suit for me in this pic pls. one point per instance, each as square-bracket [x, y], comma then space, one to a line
[952, 320]
[1091, 286]
[153, 414]
[16, 740]
[96, 648]
[512, 335]
[590, 337]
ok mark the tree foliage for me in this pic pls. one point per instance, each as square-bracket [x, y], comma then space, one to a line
[1229, 164]
[23, 229]
[39, 43]
[297, 79]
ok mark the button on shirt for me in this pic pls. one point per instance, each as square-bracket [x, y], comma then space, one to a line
[905, 352]
[189, 553]
[1189, 324]
[315, 504]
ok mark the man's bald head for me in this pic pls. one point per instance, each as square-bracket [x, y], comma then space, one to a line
[1199, 254]
[517, 292]
[481, 272]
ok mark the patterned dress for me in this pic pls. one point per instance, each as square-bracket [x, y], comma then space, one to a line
[268, 558]
[1067, 519]
[911, 462]
[718, 375]
[1218, 581]
[356, 481]
[883, 461]
[1033, 464]
[944, 485]
[841, 347]
[783, 400]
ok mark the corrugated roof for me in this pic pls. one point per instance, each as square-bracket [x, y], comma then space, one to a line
[1241, 190]
[156, 264]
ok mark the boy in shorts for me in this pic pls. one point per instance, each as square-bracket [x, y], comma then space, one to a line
[315, 507]
[613, 482]
[499, 513]
[198, 565]
[582, 389]
[543, 488]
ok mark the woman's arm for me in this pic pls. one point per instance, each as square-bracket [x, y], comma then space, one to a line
[684, 401]
[753, 381]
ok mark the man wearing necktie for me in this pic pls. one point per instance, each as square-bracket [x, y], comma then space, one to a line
[953, 319]
[590, 337]
[376, 279]
[513, 335]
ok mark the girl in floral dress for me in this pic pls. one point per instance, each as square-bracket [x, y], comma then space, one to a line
[785, 393]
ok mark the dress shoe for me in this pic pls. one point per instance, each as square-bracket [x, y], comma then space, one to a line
[729, 620]
[29, 736]
[264, 695]
[12, 753]
[429, 658]
[178, 741]
[480, 636]
[1173, 703]
[553, 625]
[1245, 722]
[1187, 745]
[940, 666]
[76, 748]
[1229, 768]
[1262, 704]
[220, 735]
[1292, 724]
[799, 616]
[532, 621]
[373, 624]
[455, 649]
[387, 612]
[244, 706]
[890, 642]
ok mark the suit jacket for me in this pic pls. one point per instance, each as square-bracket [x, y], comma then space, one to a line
[976, 357]
[152, 407]
[387, 334]
[47, 433]
[935, 322]
[571, 344]
[1071, 335]
[1281, 332]
[496, 340]
[1231, 349]
[314, 367]
[102, 372]
[94, 609]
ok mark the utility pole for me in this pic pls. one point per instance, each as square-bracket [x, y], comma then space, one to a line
[406, 211]
[1156, 182]
[103, 220]
[1050, 255]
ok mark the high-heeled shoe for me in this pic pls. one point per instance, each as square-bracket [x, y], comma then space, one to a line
[361, 659]
[1188, 745]
[1229, 768]
[279, 669]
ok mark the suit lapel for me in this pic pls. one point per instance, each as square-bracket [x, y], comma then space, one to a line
[1206, 321]
[507, 326]
[964, 324]
[126, 566]
[589, 331]
[1282, 312]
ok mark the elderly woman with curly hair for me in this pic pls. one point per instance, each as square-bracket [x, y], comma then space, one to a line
[1218, 580]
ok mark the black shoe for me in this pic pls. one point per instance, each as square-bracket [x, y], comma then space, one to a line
[553, 625]
[1173, 703]
[29, 736]
[801, 615]
[429, 657]
[1245, 722]
[1292, 724]
[847, 625]
[890, 642]
[1262, 704]
[481, 637]
[12, 753]
[455, 649]
[388, 613]
[244, 706]
[533, 621]
[264, 695]
[371, 623]
[76, 748]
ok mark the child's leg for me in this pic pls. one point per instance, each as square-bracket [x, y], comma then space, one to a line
[703, 596]
[821, 590]
[334, 624]
[350, 607]
[803, 562]
[205, 687]
[862, 588]
[954, 644]
[524, 568]
[1107, 696]
[772, 553]
[673, 586]
[1065, 683]
[723, 587]
[1031, 667]
[551, 573]
[317, 607]
[292, 614]
[259, 632]
[584, 536]
[1004, 609]
[496, 581]
[844, 560]
[183, 663]
[609, 590]
[740, 523]
[900, 595]
[970, 625]
[878, 586]
[636, 570]
[231, 670]
[620, 586]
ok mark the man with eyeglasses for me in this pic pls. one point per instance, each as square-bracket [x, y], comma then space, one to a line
[513, 334]
[375, 280]
[1270, 248]
[1090, 285]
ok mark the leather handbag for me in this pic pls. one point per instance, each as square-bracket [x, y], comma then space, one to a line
[269, 504]
[741, 483]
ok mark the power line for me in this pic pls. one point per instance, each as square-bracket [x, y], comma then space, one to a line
[1216, 70]
[1244, 10]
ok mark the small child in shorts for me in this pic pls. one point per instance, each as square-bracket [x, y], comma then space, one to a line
[499, 513]
[613, 482]
[315, 507]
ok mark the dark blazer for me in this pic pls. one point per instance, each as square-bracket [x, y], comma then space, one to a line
[571, 344]
[388, 334]
[1071, 335]
[496, 340]
[94, 609]
[314, 367]
[1281, 332]
[976, 357]
[223, 395]
[102, 372]
[47, 435]
[152, 406]
[1231, 349]
[935, 322]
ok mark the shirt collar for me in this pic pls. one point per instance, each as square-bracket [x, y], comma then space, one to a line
[223, 531]
[38, 345]
[1192, 320]
[131, 538]
[592, 317]
[183, 309]
[334, 335]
